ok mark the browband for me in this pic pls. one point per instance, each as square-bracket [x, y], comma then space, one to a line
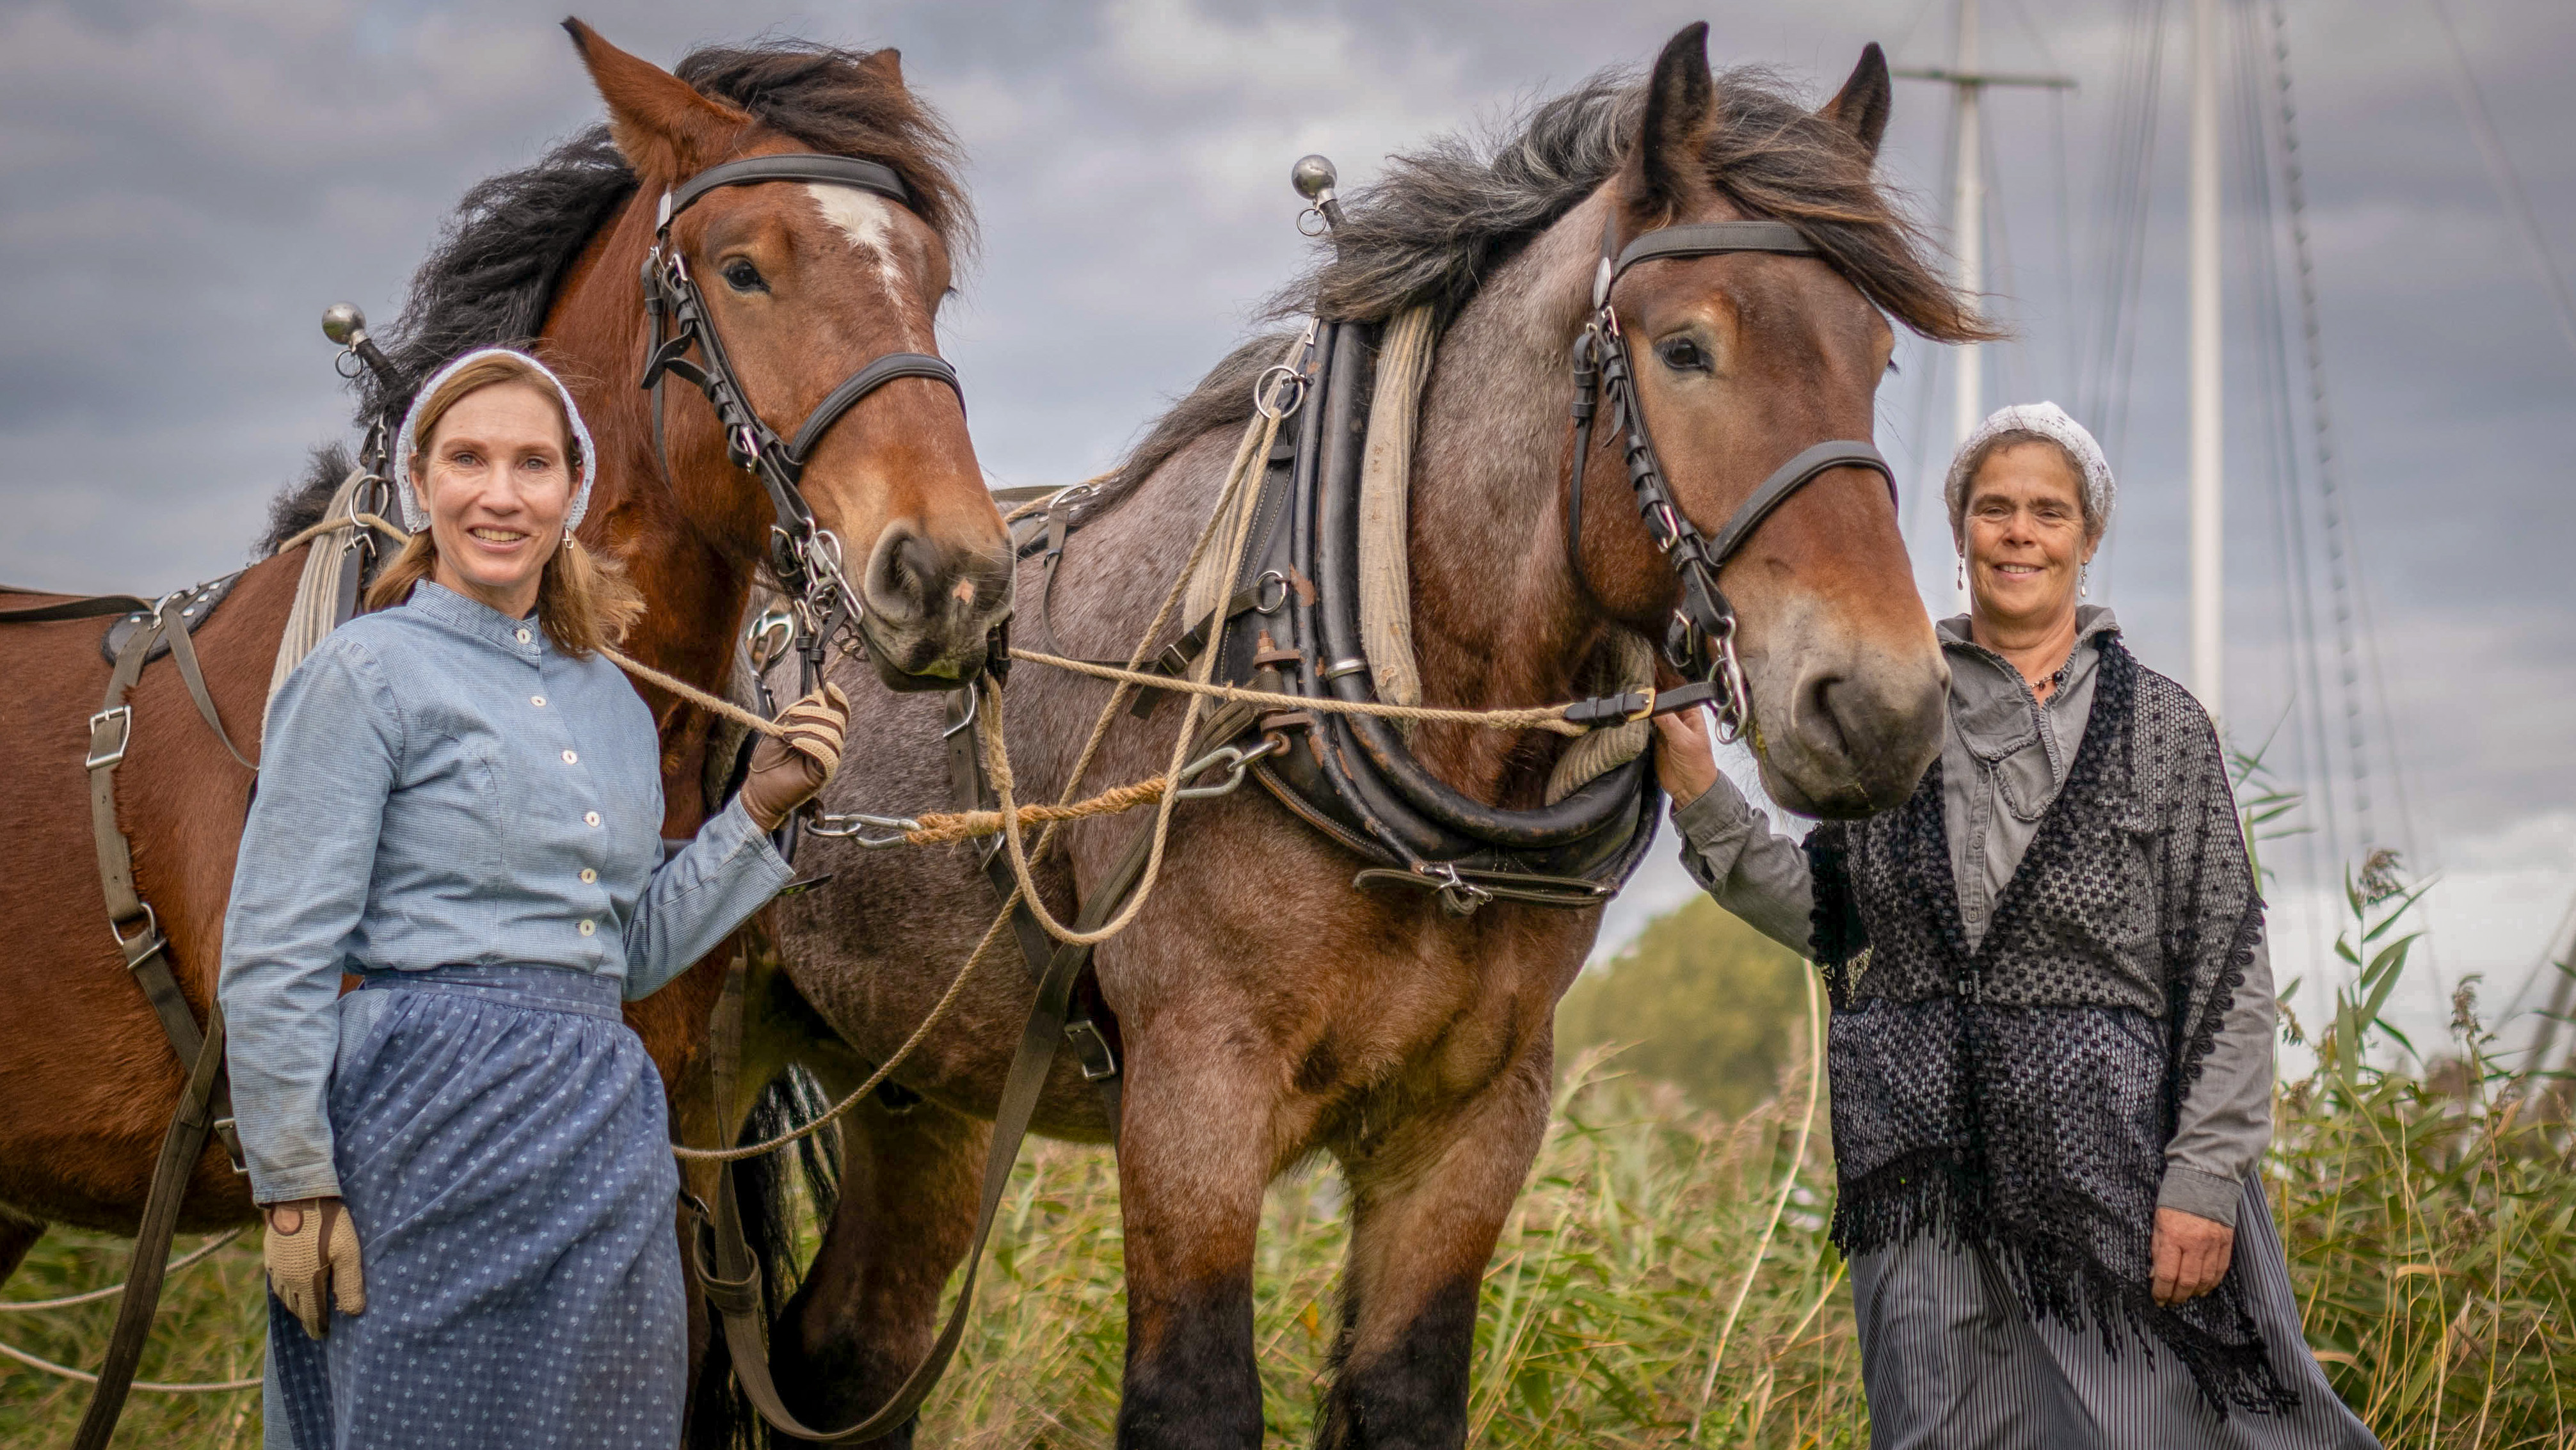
[865, 381]
[1787, 479]
[1710, 239]
[797, 166]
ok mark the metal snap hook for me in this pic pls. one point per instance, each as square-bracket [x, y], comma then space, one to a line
[1236, 761]
[849, 828]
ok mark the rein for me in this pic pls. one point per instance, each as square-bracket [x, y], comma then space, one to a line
[805, 557]
[1699, 642]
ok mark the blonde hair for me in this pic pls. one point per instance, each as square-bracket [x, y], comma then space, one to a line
[584, 600]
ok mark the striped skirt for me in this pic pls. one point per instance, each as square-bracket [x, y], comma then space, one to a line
[501, 1142]
[1949, 1360]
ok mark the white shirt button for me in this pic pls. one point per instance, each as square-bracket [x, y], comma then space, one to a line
[588, 926]
[569, 757]
[523, 636]
[590, 818]
[588, 876]
[537, 700]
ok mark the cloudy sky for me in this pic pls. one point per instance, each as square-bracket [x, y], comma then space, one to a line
[183, 187]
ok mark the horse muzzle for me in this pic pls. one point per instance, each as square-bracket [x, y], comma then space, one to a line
[931, 609]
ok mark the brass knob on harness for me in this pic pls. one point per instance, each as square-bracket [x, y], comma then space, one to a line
[1313, 176]
[344, 324]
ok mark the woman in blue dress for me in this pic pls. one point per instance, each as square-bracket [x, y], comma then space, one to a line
[464, 1164]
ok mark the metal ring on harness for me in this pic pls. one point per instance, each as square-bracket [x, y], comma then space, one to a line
[1278, 391]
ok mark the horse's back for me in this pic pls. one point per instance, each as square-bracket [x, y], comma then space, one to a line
[84, 1060]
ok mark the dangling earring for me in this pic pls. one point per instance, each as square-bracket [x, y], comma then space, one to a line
[1963, 569]
[2084, 580]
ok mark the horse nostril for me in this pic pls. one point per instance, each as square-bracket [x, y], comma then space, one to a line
[1819, 725]
[905, 577]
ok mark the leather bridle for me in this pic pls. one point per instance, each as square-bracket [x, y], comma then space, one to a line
[805, 558]
[1699, 642]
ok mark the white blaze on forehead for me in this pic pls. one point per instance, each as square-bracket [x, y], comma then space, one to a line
[867, 220]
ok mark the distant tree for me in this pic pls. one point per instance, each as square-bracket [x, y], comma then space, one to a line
[1709, 1003]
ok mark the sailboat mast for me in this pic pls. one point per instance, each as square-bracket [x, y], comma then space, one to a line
[1968, 223]
[2208, 496]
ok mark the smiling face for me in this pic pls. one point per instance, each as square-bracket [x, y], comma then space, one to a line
[2025, 536]
[496, 479]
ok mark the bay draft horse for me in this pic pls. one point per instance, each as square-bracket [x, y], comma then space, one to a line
[1269, 1011]
[805, 283]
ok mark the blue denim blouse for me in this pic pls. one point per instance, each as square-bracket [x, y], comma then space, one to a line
[440, 784]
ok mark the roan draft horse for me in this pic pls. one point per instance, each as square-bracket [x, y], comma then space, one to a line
[1265, 1010]
[805, 283]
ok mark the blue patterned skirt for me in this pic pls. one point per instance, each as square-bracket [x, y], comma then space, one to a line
[501, 1141]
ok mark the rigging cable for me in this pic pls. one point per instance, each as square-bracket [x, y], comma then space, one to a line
[2260, 238]
[2508, 182]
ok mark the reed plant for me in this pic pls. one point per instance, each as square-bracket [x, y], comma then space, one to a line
[1665, 1279]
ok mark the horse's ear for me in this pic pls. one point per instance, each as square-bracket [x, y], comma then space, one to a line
[661, 125]
[1861, 106]
[886, 65]
[1665, 167]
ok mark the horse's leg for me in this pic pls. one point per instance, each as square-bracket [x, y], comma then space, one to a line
[1194, 1158]
[867, 1310]
[18, 1234]
[1428, 1200]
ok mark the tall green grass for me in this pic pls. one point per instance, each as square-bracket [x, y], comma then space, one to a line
[2427, 1198]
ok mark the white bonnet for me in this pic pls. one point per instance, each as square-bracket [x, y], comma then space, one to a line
[415, 511]
[2049, 421]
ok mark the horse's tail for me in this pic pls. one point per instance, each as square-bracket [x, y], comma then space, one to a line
[780, 1202]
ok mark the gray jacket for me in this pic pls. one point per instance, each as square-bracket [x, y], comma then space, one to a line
[2003, 758]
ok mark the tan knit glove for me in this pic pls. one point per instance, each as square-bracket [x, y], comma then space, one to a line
[786, 773]
[312, 1251]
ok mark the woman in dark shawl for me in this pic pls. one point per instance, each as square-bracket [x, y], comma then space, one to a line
[2051, 1051]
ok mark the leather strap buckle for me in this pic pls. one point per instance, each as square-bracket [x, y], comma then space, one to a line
[1098, 1061]
[142, 942]
[231, 1139]
[116, 718]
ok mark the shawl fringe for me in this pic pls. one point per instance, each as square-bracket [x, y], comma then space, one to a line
[1935, 1195]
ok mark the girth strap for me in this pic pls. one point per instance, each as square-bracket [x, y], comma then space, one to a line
[734, 1276]
[136, 927]
[200, 1100]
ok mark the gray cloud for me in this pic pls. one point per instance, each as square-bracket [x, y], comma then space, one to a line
[187, 187]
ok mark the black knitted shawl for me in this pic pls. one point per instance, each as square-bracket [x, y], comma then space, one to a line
[2019, 1096]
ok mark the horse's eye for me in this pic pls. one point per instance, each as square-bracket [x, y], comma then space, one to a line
[741, 276]
[1682, 355]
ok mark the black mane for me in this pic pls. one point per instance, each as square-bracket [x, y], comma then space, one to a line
[492, 276]
[1444, 218]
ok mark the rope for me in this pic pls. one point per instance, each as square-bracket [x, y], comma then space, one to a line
[938, 1011]
[1536, 717]
[28, 1306]
[713, 705]
[85, 1377]
[334, 525]
[1250, 458]
[944, 828]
